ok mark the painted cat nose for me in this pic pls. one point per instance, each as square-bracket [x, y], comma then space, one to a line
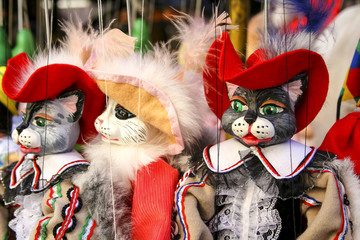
[250, 117]
[97, 124]
[107, 129]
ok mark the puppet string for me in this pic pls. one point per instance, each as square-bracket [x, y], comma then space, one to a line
[128, 16]
[307, 96]
[218, 133]
[101, 29]
[222, 86]
[8, 129]
[1, 14]
[20, 15]
[287, 78]
[141, 53]
[48, 44]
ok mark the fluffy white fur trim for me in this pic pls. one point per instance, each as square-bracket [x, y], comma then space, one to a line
[351, 181]
[120, 161]
[196, 35]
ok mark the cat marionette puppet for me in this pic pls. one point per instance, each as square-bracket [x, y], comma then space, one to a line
[62, 104]
[261, 184]
[153, 121]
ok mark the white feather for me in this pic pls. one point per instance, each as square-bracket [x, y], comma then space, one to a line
[196, 35]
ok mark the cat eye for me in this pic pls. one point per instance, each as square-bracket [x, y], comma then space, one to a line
[123, 114]
[270, 109]
[238, 106]
[24, 117]
[39, 121]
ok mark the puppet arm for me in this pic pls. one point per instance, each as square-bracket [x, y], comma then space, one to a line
[195, 204]
[64, 215]
[153, 201]
[325, 209]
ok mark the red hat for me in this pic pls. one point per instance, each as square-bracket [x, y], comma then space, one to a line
[224, 66]
[48, 82]
[343, 139]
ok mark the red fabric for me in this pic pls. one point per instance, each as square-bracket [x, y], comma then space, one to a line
[153, 200]
[343, 139]
[48, 82]
[353, 81]
[225, 65]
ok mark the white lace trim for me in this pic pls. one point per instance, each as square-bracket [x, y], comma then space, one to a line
[247, 214]
[26, 215]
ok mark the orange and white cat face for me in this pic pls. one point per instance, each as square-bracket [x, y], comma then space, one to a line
[118, 125]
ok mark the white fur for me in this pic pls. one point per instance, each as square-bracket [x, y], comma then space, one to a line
[351, 182]
[124, 160]
[196, 36]
[92, 46]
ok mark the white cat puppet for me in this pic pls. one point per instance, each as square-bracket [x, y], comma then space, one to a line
[154, 118]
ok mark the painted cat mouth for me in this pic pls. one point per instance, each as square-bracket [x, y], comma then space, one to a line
[29, 150]
[251, 140]
[105, 138]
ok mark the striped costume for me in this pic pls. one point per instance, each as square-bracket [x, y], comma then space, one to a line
[46, 204]
[251, 193]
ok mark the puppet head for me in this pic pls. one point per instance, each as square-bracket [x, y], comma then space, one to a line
[149, 102]
[275, 95]
[51, 126]
[47, 84]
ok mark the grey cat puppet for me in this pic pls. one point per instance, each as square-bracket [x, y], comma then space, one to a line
[261, 184]
[62, 103]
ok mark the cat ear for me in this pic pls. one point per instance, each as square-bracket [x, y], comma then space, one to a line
[73, 102]
[295, 87]
[231, 88]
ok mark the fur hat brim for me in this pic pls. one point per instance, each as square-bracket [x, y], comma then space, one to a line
[48, 82]
[225, 66]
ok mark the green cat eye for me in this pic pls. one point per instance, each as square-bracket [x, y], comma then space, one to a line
[39, 121]
[270, 109]
[24, 117]
[238, 106]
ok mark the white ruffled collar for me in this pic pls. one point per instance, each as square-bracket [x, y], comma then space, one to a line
[282, 161]
[45, 168]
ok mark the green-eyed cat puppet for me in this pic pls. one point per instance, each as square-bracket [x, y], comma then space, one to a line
[62, 104]
[261, 184]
